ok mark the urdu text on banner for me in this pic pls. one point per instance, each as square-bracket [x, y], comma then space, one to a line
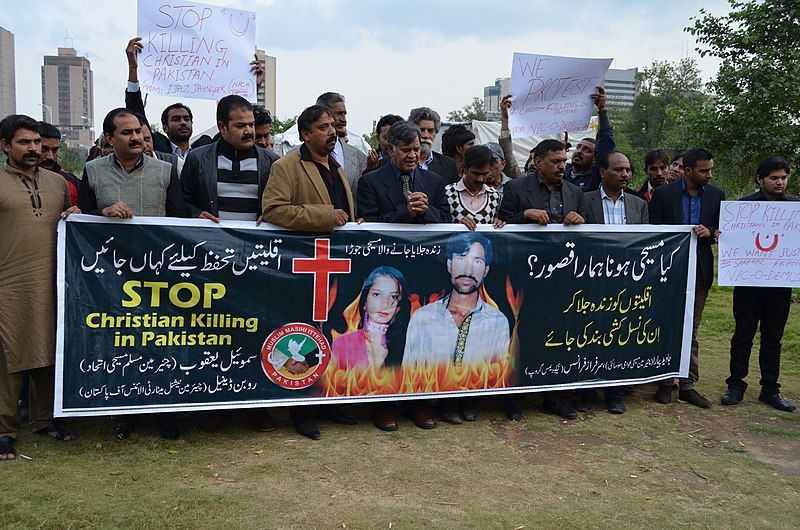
[195, 50]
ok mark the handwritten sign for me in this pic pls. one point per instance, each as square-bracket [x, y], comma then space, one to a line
[551, 94]
[194, 50]
[760, 244]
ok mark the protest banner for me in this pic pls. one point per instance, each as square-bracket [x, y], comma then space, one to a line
[551, 95]
[760, 243]
[163, 315]
[194, 50]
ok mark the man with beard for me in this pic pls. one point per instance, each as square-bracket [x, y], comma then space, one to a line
[543, 197]
[51, 141]
[692, 200]
[461, 328]
[610, 205]
[455, 141]
[655, 167]
[127, 183]
[32, 201]
[226, 179]
[308, 191]
[584, 172]
[429, 123]
[350, 159]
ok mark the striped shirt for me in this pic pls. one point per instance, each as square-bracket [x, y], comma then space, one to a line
[613, 212]
[237, 182]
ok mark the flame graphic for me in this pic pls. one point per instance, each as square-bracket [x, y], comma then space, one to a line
[407, 380]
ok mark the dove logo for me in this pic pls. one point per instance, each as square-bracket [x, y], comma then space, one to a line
[295, 356]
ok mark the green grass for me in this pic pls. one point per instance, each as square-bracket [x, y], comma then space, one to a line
[659, 466]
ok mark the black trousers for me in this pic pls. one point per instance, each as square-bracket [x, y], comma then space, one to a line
[754, 307]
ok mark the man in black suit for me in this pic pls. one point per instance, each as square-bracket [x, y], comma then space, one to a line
[543, 197]
[401, 191]
[691, 201]
[429, 123]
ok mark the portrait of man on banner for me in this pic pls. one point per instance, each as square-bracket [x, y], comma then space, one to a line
[461, 328]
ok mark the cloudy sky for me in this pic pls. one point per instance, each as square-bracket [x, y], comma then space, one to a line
[385, 57]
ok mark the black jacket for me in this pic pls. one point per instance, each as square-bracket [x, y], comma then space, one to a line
[524, 193]
[442, 165]
[381, 200]
[135, 103]
[199, 178]
[666, 208]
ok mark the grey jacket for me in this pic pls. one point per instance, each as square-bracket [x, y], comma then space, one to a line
[635, 209]
[354, 163]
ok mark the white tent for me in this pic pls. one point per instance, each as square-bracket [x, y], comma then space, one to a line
[285, 141]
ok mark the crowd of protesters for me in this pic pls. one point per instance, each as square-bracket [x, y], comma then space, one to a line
[326, 183]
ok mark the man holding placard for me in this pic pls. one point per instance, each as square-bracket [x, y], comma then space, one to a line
[766, 308]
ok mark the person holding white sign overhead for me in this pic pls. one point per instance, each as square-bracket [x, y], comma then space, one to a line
[766, 308]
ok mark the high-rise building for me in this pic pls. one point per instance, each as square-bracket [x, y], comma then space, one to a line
[68, 96]
[8, 91]
[266, 96]
[621, 90]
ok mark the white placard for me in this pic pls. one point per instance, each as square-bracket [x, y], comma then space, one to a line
[194, 50]
[760, 243]
[552, 94]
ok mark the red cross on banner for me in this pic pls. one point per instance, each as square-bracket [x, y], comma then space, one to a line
[321, 266]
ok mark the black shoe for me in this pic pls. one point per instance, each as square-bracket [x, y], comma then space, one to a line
[308, 428]
[663, 395]
[469, 413]
[733, 396]
[169, 430]
[777, 401]
[337, 415]
[616, 405]
[692, 396]
[585, 403]
[559, 407]
[514, 412]
[123, 430]
[451, 416]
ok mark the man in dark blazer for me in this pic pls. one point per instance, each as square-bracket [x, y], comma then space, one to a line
[691, 200]
[384, 198]
[611, 205]
[543, 197]
[402, 192]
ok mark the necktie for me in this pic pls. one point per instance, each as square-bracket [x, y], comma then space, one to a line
[406, 178]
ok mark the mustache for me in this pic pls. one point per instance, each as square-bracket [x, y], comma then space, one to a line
[134, 143]
[247, 137]
[468, 276]
[31, 155]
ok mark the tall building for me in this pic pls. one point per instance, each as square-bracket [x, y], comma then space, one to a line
[8, 90]
[266, 96]
[68, 96]
[621, 89]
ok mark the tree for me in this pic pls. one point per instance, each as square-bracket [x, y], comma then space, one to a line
[278, 126]
[668, 93]
[755, 110]
[473, 111]
[72, 158]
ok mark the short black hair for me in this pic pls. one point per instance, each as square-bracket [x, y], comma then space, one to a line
[770, 164]
[454, 137]
[143, 121]
[108, 122]
[478, 156]
[329, 98]
[459, 244]
[696, 154]
[14, 122]
[389, 119]
[677, 157]
[230, 103]
[310, 115]
[604, 159]
[49, 130]
[262, 115]
[547, 146]
[654, 155]
[165, 117]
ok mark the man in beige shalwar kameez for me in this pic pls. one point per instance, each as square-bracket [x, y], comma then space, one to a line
[32, 200]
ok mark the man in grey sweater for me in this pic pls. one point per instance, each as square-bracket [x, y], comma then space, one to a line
[127, 183]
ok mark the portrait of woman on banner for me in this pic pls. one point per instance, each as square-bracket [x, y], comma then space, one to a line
[384, 309]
